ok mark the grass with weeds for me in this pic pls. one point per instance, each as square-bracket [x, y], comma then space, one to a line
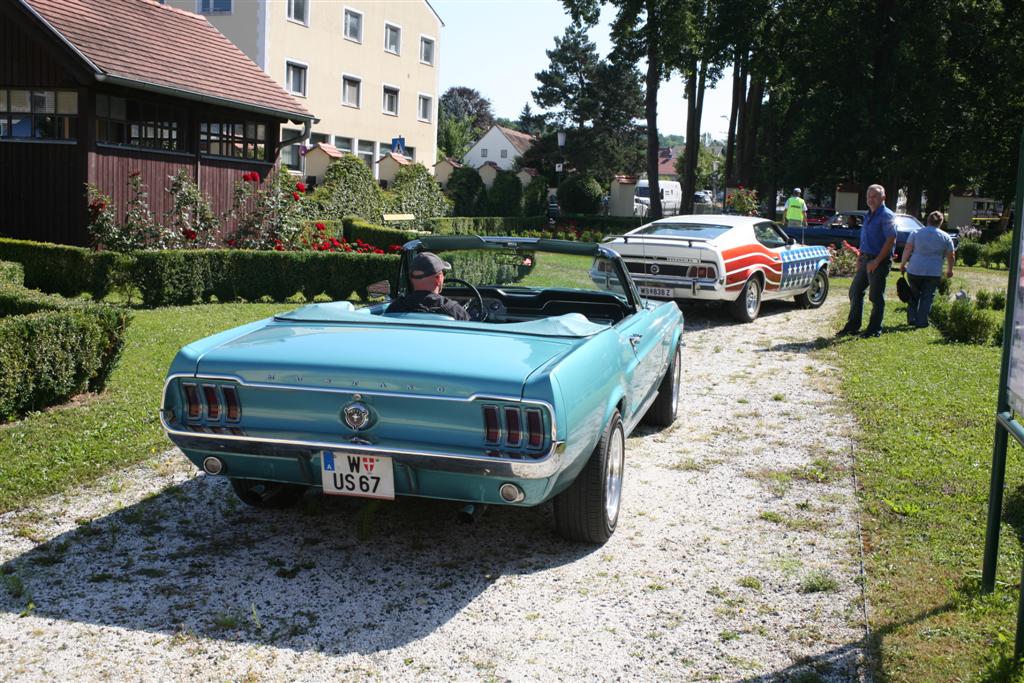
[819, 581]
[66, 446]
[926, 410]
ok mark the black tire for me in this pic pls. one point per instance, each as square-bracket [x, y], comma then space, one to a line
[588, 510]
[748, 303]
[815, 296]
[662, 412]
[267, 495]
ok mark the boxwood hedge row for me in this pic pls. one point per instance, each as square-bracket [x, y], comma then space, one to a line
[52, 348]
[377, 235]
[65, 270]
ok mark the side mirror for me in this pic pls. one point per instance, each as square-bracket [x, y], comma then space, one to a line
[379, 290]
[791, 240]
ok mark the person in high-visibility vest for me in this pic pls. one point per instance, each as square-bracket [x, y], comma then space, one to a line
[796, 210]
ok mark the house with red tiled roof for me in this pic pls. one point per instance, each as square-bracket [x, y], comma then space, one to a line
[443, 170]
[499, 145]
[91, 92]
[389, 165]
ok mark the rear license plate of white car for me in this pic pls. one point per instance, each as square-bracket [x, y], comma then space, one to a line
[656, 291]
[366, 476]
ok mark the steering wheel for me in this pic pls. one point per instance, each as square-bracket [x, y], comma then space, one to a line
[476, 293]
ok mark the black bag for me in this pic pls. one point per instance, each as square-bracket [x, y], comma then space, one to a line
[903, 288]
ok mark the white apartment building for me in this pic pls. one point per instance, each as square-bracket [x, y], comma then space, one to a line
[368, 70]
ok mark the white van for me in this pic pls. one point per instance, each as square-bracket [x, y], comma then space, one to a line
[671, 197]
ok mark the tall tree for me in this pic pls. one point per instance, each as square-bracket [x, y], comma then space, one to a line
[566, 87]
[460, 102]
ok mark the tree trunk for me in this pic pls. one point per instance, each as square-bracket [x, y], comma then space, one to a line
[651, 109]
[739, 89]
[914, 199]
[692, 141]
[937, 198]
[748, 132]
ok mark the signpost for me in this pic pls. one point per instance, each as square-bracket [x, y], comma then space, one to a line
[1009, 406]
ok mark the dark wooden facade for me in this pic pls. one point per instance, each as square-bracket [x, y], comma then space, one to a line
[42, 182]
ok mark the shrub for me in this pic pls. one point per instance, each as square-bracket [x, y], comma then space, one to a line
[535, 197]
[966, 323]
[190, 222]
[270, 215]
[347, 189]
[488, 225]
[742, 201]
[467, 193]
[944, 286]
[983, 299]
[998, 300]
[11, 274]
[842, 262]
[997, 253]
[54, 349]
[579, 194]
[415, 191]
[602, 224]
[506, 195]
[969, 251]
[377, 235]
[67, 270]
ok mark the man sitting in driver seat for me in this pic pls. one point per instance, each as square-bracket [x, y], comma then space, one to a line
[426, 278]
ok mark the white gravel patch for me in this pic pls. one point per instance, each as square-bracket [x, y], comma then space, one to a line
[160, 574]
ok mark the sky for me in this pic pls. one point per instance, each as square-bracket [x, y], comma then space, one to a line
[496, 47]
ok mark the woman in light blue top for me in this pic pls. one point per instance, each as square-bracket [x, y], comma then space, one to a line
[922, 262]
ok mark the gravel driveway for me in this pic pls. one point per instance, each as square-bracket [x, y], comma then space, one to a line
[736, 558]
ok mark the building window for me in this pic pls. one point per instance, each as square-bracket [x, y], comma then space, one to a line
[410, 153]
[427, 50]
[483, 152]
[392, 39]
[350, 91]
[236, 140]
[298, 10]
[121, 121]
[343, 144]
[215, 6]
[425, 108]
[291, 156]
[295, 77]
[366, 153]
[504, 154]
[354, 25]
[39, 114]
[390, 100]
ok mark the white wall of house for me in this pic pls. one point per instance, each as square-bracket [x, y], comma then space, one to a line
[493, 146]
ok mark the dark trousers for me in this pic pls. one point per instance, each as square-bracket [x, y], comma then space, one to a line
[874, 284]
[922, 293]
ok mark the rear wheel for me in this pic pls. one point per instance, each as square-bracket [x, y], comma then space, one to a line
[748, 303]
[588, 510]
[816, 294]
[662, 412]
[270, 495]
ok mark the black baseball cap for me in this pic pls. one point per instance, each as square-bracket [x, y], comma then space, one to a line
[426, 264]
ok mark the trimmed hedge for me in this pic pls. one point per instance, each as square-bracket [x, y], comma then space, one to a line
[377, 235]
[52, 348]
[12, 273]
[65, 270]
[176, 278]
[484, 225]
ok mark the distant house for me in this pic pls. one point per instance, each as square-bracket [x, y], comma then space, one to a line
[499, 145]
[388, 166]
[526, 175]
[667, 162]
[488, 173]
[91, 92]
[443, 170]
[318, 158]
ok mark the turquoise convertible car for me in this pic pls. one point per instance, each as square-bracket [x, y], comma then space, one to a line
[528, 401]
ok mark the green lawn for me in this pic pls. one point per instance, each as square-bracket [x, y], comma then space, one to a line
[926, 410]
[60, 448]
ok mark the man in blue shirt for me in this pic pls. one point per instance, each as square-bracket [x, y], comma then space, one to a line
[877, 235]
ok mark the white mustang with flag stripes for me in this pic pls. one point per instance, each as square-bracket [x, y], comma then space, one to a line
[741, 260]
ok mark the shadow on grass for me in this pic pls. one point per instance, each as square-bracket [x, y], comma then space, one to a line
[336, 575]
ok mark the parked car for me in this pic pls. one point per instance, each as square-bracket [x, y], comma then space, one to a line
[505, 408]
[844, 226]
[739, 260]
[818, 215]
[671, 197]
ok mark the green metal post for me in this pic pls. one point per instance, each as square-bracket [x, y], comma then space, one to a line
[998, 479]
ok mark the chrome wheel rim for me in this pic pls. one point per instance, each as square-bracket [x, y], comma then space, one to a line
[675, 385]
[613, 475]
[753, 298]
[817, 290]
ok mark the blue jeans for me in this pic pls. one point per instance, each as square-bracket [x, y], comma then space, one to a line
[922, 293]
[874, 283]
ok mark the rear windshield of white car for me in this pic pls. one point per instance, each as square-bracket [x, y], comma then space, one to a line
[708, 232]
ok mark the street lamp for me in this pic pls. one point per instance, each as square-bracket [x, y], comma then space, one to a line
[561, 155]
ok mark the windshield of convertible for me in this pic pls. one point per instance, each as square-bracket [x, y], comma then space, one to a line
[508, 285]
[673, 229]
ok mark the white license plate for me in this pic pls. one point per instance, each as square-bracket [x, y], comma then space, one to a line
[366, 476]
[656, 291]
